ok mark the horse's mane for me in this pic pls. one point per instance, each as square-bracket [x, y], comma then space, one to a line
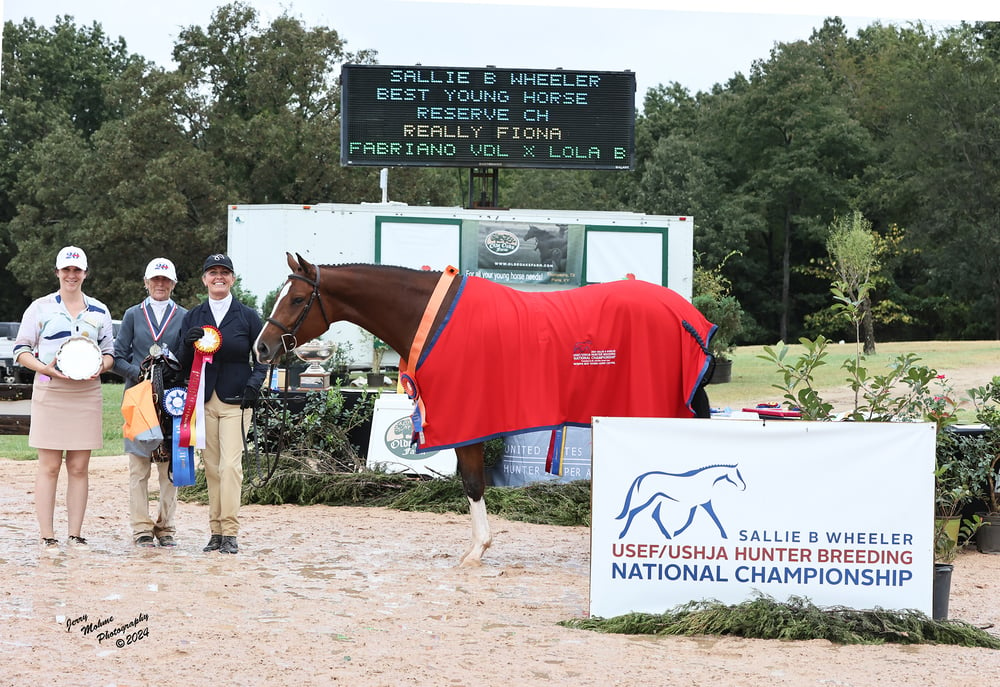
[399, 268]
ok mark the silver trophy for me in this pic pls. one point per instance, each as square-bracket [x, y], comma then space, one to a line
[316, 352]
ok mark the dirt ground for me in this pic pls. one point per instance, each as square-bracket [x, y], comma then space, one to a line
[359, 596]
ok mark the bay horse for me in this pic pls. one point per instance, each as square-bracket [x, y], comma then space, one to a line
[459, 362]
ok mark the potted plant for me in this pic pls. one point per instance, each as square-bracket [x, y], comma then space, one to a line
[377, 377]
[956, 473]
[712, 297]
[339, 366]
[983, 452]
[946, 550]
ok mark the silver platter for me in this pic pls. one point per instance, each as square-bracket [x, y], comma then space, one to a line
[79, 358]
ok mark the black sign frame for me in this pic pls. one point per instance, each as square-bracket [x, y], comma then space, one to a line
[398, 116]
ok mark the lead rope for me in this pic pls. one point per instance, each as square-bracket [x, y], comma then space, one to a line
[263, 469]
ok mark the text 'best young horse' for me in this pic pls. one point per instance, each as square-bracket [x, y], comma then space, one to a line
[483, 360]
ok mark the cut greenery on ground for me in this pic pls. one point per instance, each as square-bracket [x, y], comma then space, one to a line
[765, 618]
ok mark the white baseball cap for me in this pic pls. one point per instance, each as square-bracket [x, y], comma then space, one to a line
[71, 256]
[161, 267]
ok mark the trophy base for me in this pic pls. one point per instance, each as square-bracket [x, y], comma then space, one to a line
[314, 382]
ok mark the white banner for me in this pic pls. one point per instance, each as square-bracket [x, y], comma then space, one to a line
[690, 510]
[390, 447]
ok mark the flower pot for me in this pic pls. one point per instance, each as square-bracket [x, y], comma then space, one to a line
[723, 371]
[951, 526]
[988, 536]
[942, 590]
[375, 379]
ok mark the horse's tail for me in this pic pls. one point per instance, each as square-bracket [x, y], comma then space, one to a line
[628, 499]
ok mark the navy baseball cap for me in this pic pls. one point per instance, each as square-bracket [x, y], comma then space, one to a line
[218, 260]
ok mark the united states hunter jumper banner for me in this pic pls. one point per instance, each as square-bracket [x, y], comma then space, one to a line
[192, 430]
[508, 361]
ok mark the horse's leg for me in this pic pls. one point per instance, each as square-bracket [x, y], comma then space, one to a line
[659, 523]
[638, 509]
[711, 511]
[702, 408]
[470, 467]
[689, 520]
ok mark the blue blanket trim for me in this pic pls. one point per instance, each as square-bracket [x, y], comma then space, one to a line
[708, 360]
[496, 435]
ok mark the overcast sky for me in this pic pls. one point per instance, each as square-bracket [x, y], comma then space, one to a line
[657, 39]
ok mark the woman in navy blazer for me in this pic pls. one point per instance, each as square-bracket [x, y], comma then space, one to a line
[231, 384]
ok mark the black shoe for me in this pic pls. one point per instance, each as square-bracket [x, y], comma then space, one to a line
[145, 541]
[229, 545]
[78, 543]
[166, 540]
[214, 543]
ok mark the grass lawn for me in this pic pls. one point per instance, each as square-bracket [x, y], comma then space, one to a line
[753, 378]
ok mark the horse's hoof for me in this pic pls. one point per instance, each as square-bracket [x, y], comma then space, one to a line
[471, 558]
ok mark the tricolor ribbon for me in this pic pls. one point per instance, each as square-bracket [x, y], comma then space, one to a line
[192, 429]
[418, 417]
[181, 457]
[157, 332]
[557, 451]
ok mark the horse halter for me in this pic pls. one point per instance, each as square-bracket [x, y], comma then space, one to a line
[288, 341]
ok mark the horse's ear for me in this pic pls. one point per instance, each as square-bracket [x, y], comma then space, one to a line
[305, 267]
[292, 265]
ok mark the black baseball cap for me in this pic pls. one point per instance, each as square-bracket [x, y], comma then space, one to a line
[218, 260]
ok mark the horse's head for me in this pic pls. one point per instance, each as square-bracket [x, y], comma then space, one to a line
[298, 315]
[534, 233]
[736, 478]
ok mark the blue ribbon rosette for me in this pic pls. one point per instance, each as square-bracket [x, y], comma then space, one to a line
[182, 457]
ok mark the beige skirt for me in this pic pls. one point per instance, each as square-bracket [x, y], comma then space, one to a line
[66, 415]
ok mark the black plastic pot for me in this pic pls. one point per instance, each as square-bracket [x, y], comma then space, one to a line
[723, 371]
[988, 536]
[942, 590]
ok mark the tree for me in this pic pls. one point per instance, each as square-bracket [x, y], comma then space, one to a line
[53, 89]
[138, 190]
[558, 189]
[682, 168]
[853, 250]
[944, 138]
[803, 155]
[250, 116]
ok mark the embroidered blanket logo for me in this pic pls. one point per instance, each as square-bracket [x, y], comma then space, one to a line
[584, 354]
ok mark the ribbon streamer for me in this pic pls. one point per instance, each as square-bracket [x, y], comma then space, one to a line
[192, 429]
[556, 454]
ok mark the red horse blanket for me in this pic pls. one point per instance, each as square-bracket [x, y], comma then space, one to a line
[507, 361]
